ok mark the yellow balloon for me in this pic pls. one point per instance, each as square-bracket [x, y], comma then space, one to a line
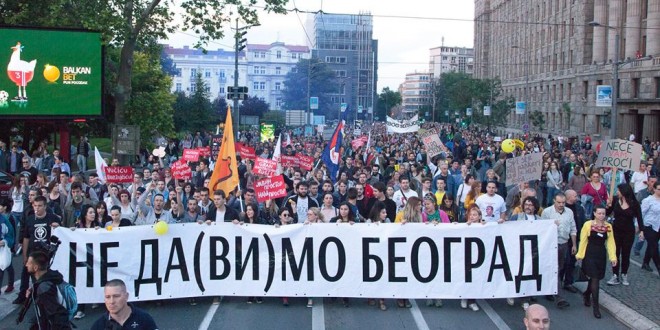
[161, 227]
[51, 73]
[519, 144]
[508, 146]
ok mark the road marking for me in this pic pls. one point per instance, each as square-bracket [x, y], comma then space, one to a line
[206, 322]
[318, 315]
[6, 305]
[417, 316]
[632, 261]
[492, 314]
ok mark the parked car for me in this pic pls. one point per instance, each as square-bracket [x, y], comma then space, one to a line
[5, 183]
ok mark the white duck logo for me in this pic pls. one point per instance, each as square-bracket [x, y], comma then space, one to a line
[20, 72]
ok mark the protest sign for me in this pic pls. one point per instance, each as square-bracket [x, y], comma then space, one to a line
[306, 162]
[416, 261]
[181, 170]
[524, 168]
[205, 151]
[216, 140]
[264, 167]
[358, 142]
[118, 174]
[245, 151]
[289, 161]
[270, 188]
[622, 154]
[190, 155]
[402, 126]
[432, 143]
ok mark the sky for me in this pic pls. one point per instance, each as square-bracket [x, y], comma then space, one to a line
[404, 41]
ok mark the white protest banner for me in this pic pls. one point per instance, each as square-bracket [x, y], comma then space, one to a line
[270, 188]
[621, 154]
[432, 143]
[513, 259]
[402, 126]
[524, 168]
[264, 167]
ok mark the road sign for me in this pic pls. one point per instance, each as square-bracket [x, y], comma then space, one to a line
[313, 103]
[359, 108]
[344, 106]
[520, 108]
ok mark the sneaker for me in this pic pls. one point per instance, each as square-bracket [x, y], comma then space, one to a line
[510, 301]
[525, 305]
[464, 303]
[95, 306]
[79, 315]
[624, 279]
[285, 302]
[192, 302]
[20, 299]
[9, 289]
[310, 303]
[216, 301]
[429, 302]
[260, 300]
[250, 300]
[614, 280]
[474, 307]
[438, 303]
[647, 268]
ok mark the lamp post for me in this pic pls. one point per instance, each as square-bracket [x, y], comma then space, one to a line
[615, 77]
[240, 44]
[526, 94]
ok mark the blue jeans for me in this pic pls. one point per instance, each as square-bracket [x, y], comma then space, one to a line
[549, 198]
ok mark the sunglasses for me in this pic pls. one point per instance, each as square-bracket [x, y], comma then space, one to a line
[285, 214]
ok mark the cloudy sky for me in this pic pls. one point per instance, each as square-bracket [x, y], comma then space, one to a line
[405, 30]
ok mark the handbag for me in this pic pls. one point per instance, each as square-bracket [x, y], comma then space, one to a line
[578, 273]
[5, 257]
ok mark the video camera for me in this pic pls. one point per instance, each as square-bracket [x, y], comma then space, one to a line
[50, 248]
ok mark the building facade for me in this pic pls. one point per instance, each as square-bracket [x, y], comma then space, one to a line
[549, 54]
[346, 44]
[416, 92]
[451, 59]
[261, 67]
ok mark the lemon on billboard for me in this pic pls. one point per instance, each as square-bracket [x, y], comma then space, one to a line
[50, 73]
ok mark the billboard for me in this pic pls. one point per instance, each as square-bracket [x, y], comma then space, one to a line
[50, 73]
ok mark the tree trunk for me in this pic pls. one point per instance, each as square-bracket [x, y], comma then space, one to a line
[124, 87]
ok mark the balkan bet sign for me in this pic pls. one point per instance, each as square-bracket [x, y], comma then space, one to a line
[621, 154]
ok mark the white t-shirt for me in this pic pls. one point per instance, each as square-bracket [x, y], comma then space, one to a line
[301, 207]
[638, 180]
[401, 198]
[220, 215]
[491, 206]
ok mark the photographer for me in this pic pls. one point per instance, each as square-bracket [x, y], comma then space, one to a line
[50, 314]
[35, 236]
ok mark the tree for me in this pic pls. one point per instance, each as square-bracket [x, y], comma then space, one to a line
[322, 82]
[538, 119]
[276, 117]
[199, 115]
[131, 25]
[220, 108]
[254, 106]
[387, 99]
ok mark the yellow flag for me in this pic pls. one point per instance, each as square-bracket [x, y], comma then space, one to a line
[225, 172]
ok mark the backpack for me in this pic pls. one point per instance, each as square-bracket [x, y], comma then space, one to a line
[66, 296]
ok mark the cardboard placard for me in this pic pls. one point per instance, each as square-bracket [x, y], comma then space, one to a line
[524, 168]
[306, 162]
[118, 174]
[245, 151]
[181, 170]
[205, 151]
[216, 140]
[289, 161]
[432, 143]
[190, 155]
[622, 154]
[264, 167]
[358, 142]
[270, 188]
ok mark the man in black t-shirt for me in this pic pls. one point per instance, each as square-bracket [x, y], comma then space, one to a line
[35, 233]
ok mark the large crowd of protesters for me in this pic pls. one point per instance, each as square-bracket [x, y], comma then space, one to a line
[393, 180]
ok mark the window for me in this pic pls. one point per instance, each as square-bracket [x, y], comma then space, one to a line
[193, 88]
[278, 86]
[278, 102]
[222, 73]
[222, 90]
[294, 56]
[207, 74]
[255, 85]
[193, 72]
[262, 85]
[657, 87]
[341, 59]
[255, 69]
[278, 54]
[278, 70]
[207, 89]
[262, 70]
[178, 87]
[635, 88]
[178, 73]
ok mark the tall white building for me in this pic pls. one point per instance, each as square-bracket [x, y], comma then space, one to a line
[451, 59]
[262, 68]
[416, 92]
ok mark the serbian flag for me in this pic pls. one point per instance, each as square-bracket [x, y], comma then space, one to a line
[225, 172]
[331, 153]
[366, 150]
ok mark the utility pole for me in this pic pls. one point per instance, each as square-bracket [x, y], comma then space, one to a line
[237, 48]
[615, 86]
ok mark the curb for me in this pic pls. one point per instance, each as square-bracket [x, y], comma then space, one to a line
[626, 315]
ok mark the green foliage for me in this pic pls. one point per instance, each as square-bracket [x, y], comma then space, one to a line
[322, 81]
[151, 104]
[387, 99]
[276, 117]
[537, 119]
[254, 106]
[195, 112]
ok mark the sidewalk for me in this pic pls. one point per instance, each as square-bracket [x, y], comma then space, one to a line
[642, 293]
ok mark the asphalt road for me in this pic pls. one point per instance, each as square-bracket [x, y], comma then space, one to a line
[235, 313]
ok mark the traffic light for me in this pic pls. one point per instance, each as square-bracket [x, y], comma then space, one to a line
[239, 92]
[241, 41]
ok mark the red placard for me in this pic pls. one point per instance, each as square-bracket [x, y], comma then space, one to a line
[289, 161]
[264, 167]
[204, 151]
[190, 155]
[181, 170]
[306, 162]
[245, 151]
[216, 141]
[118, 174]
[356, 143]
[270, 188]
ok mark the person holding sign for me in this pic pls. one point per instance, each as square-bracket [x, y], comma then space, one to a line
[596, 240]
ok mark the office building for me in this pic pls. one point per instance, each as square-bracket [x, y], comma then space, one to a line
[451, 59]
[416, 92]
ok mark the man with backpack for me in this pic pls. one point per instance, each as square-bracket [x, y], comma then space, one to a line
[50, 313]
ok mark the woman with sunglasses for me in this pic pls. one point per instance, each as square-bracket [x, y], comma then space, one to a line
[450, 208]
[285, 218]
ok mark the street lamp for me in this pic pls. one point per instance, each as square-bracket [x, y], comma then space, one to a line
[615, 76]
[526, 82]
[240, 44]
